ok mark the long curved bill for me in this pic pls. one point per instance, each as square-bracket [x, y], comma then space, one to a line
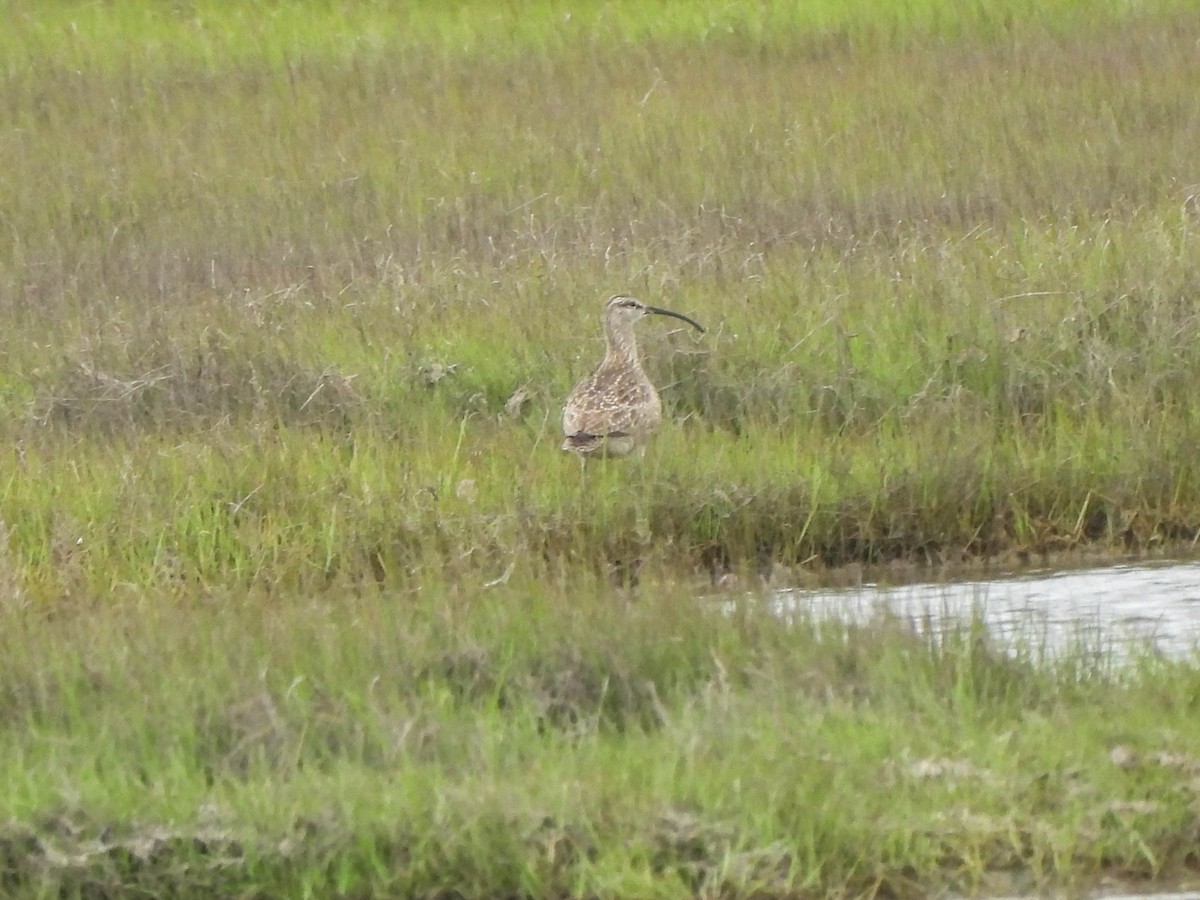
[658, 310]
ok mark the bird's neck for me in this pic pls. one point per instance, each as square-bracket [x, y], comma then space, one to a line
[621, 348]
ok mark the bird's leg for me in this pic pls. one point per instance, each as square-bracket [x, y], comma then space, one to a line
[582, 479]
[641, 515]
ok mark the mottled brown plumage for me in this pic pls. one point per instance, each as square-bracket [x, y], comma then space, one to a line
[614, 410]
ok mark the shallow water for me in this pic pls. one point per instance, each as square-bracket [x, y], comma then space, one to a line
[1155, 605]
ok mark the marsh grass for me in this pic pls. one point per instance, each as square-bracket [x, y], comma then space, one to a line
[947, 291]
[300, 595]
[483, 744]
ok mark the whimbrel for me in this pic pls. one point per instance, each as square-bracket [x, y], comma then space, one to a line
[614, 410]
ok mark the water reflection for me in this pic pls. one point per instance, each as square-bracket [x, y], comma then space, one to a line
[1155, 604]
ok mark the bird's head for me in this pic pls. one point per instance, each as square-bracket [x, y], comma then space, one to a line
[621, 311]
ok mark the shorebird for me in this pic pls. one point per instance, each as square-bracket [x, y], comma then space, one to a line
[614, 410]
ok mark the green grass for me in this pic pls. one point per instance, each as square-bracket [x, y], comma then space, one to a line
[513, 743]
[943, 231]
[299, 593]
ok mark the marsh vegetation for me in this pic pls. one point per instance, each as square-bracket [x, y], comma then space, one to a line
[299, 593]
